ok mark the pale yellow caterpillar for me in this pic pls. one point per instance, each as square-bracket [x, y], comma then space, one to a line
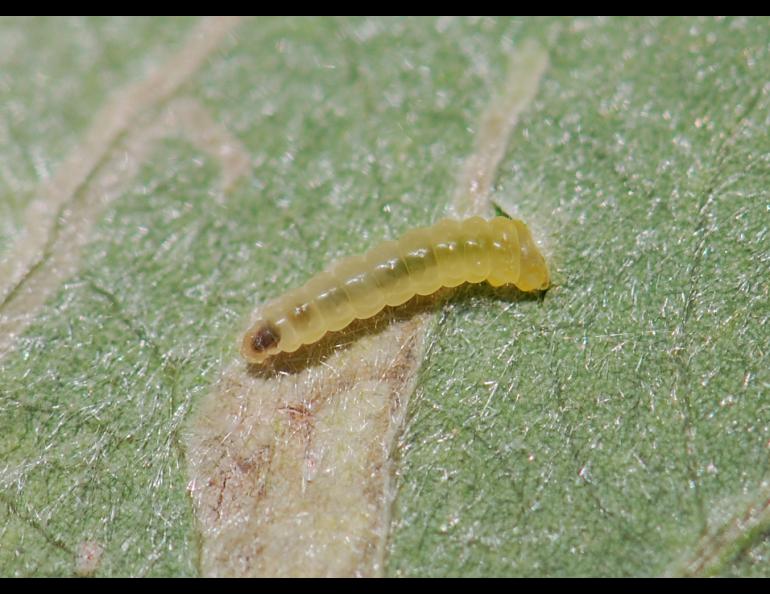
[499, 251]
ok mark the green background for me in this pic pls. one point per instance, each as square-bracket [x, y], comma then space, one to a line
[610, 428]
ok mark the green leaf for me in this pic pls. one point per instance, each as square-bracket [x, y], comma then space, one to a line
[619, 425]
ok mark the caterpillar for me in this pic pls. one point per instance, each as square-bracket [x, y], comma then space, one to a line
[449, 253]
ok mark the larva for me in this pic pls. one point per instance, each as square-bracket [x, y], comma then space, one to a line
[499, 251]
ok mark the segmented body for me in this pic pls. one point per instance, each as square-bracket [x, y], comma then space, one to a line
[499, 251]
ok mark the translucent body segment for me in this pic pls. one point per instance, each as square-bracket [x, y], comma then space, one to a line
[304, 316]
[476, 249]
[331, 300]
[290, 339]
[416, 250]
[358, 282]
[505, 252]
[533, 274]
[500, 251]
[448, 252]
[390, 274]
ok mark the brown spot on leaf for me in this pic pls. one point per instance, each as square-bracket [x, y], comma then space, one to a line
[291, 471]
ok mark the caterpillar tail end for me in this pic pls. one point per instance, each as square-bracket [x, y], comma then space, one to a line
[533, 273]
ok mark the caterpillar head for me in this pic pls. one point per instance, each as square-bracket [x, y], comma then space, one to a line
[261, 342]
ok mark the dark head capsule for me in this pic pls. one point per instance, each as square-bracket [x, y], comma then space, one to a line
[266, 337]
